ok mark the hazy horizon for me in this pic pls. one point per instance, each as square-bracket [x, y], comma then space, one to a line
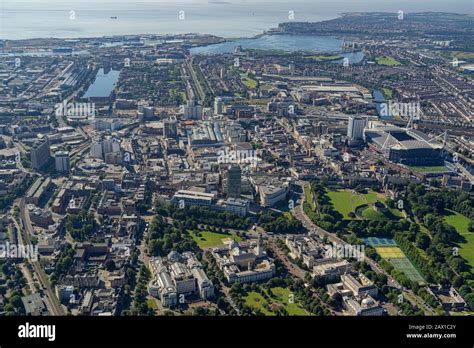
[24, 19]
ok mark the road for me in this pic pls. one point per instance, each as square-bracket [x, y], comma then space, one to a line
[290, 266]
[51, 300]
[197, 84]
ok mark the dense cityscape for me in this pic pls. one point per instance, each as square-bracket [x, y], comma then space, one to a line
[193, 175]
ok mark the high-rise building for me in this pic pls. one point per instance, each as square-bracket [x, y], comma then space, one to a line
[40, 154]
[101, 147]
[62, 161]
[192, 111]
[223, 73]
[96, 149]
[234, 181]
[217, 106]
[170, 129]
[355, 130]
[145, 112]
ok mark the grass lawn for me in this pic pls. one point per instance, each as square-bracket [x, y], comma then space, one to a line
[283, 296]
[460, 223]
[429, 169]
[280, 296]
[255, 300]
[345, 201]
[387, 61]
[248, 82]
[212, 239]
[370, 214]
[397, 213]
[387, 92]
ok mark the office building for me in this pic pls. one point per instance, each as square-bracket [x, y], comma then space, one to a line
[218, 106]
[40, 154]
[192, 111]
[62, 161]
[355, 129]
[359, 284]
[170, 129]
[234, 181]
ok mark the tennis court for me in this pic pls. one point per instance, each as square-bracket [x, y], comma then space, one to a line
[388, 250]
[379, 242]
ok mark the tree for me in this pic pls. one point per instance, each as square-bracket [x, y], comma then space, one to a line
[422, 241]
[110, 265]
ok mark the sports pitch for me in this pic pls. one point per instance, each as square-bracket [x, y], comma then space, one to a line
[404, 265]
[388, 250]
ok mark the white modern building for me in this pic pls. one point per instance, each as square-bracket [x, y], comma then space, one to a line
[355, 129]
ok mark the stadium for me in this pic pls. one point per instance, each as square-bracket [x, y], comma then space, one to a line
[404, 146]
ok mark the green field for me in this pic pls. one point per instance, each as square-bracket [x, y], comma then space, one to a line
[429, 169]
[207, 239]
[369, 213]
[280, 296]
[461, 223]
[387, 61]
[283, 296]
[255, 300]
[248, 82]
[346, 201]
